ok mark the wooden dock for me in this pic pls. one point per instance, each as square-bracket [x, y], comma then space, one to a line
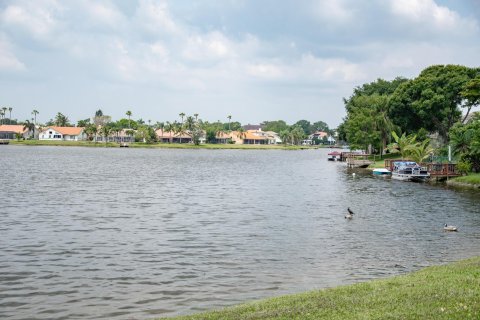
[357, 160]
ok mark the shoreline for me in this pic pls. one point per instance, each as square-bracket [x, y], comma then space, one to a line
[137, 145]
[448, 291]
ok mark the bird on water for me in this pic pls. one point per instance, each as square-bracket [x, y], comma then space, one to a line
[349, 215]
[446, 227]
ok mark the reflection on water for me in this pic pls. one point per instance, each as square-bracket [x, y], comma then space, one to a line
[134, 234]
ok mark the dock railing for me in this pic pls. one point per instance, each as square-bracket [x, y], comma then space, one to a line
[436, 170]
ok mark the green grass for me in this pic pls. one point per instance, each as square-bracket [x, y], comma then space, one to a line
[158, 145]
[442, 292]
[472, 178]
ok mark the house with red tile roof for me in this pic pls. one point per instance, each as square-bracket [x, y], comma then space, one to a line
[9, 131]
[63, 133]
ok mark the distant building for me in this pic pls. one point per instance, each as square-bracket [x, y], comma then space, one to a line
[9, 132]
[63, 133]
[256, 127]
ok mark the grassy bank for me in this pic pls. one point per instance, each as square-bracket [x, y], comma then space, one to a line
[470, 181]
[157, 145]
[441, 292]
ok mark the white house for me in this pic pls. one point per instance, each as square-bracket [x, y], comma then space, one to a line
[63, 133]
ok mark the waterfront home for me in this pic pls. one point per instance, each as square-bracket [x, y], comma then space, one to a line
[319, 136]
[257, 137]
[63, 133]
[10, 132]
[122, 136]
[223, 137]
[172, 136]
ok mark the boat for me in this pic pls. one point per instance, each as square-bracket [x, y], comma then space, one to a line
[381, 172]
[409, 171]
[334, 156]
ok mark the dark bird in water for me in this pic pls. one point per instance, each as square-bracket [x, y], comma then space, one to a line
[349, 215]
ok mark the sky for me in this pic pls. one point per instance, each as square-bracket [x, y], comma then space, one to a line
[253, 60]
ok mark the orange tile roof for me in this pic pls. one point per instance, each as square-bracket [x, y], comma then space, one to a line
[71, 131]
[13, 128]
[252, 136]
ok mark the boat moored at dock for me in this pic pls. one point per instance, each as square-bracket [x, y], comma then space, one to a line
[409, 171]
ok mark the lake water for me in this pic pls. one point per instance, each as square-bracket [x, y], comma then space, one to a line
[90, 233]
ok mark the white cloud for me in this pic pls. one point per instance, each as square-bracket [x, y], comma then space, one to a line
[8, 61]
[429, 13]
[103, 13]
[155, 17]
[334, 12]
[35, 17]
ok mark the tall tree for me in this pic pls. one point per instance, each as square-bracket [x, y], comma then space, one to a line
[433, 99]
[229, 119]
[129, 114]
[181, 115]
[35, 112]
[61, 120]
[471, 93]
[10, 115]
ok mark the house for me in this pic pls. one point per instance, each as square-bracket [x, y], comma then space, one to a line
[223, 137]
[9, 132]
[122, 136]
[173, 137]
[63, 133]
[255, 127]
[319, 137]
[255, 137]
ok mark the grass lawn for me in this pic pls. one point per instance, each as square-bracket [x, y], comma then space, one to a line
[442, 292]
[472, 178]
[158, 145]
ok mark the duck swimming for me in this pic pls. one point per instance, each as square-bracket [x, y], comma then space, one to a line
[350, 214]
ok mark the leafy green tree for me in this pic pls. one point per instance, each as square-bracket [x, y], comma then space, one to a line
[305, 125]
[432, 100]
[465, 140]
[61, 120]
[127, 124]
[83, 123]
[275, 126]
[471, 93]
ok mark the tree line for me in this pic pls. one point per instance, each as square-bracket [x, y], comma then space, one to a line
[436, 104]
[190, 125]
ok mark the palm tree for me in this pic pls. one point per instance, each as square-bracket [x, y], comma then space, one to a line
[10, 116]
[182, 115]
[35, 112]
[106, 130]
[1, 116]
[169, 128]
[402, 144]
[229, 118]
[30, 126]
[284, 135]
[196, 116]
[4, 113]
[129, 114]
[420, 151]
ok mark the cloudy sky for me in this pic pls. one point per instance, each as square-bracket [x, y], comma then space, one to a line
[254, 60]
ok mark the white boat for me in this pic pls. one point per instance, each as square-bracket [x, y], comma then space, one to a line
[409, 171]
[381, 172]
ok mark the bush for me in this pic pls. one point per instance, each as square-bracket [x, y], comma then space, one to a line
[464, 167]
